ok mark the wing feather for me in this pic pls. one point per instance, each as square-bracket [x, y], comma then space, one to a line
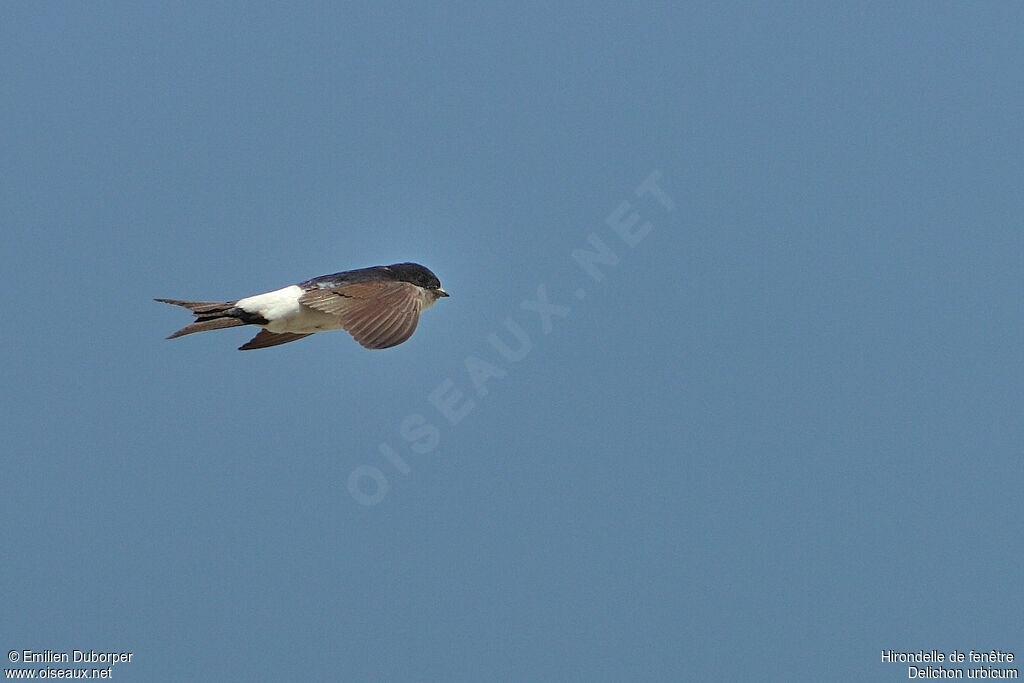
[265, 339]
[401, 328]
[378, 315]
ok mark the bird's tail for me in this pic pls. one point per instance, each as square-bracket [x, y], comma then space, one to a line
[210, 315]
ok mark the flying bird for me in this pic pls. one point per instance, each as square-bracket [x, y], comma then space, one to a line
[378, 306]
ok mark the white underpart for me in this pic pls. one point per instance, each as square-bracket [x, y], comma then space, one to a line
[426, 299]
[284, 313]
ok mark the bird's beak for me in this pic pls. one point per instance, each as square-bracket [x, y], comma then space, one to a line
[441, 292]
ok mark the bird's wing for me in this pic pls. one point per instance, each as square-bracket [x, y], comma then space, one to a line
[265, 339]
[377, 314]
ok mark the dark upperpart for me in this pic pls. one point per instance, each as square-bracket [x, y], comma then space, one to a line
[403, 272]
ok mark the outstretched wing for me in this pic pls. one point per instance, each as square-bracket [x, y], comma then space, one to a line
[377, 314]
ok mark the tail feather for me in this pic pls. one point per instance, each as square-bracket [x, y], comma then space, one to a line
[200, 307]
[210, 315]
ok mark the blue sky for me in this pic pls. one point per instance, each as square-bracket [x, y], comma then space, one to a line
[780, 434]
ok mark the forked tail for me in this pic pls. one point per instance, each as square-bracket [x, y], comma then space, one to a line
[210, 315]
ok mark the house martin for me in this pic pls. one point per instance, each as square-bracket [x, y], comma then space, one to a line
[378, 306]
